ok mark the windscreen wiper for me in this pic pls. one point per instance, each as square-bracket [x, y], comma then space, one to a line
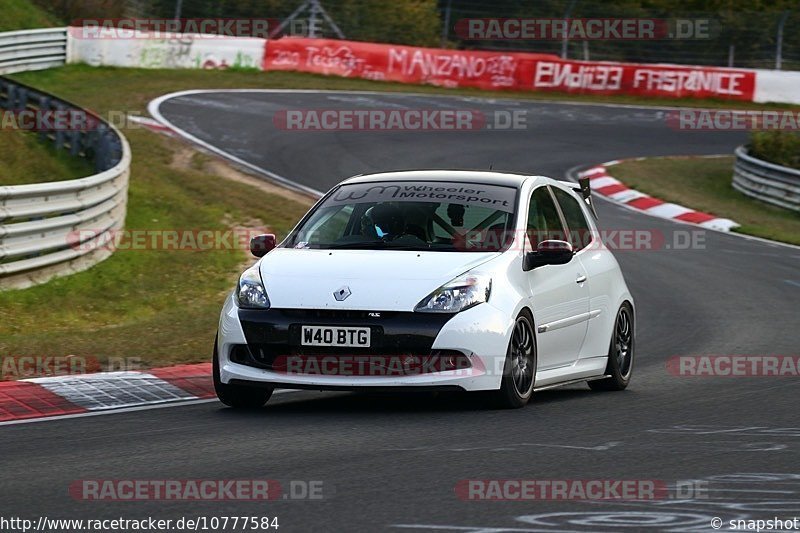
[375, 245]
[358, 244]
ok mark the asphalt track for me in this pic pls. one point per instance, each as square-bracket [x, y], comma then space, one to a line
[391, 462]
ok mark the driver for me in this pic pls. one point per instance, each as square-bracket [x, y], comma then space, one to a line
[385, 220]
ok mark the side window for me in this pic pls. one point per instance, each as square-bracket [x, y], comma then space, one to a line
[543, 220]
[579, 233]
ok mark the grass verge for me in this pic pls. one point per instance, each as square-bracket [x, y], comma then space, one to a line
[24, 15]
[157, 305]
[24, 159]
[704, 184]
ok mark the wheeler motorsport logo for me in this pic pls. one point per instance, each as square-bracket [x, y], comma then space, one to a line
[481, 195]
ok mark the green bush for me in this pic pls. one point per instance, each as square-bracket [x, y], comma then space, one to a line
[779, 147]
[22, 15]
[414, 22]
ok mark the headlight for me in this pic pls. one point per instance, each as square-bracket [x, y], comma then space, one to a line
[461, 293]
[250, 293]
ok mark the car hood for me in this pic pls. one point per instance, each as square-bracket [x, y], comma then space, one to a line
[380, 280]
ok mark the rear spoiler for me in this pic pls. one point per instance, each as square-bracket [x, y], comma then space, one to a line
[586, 192]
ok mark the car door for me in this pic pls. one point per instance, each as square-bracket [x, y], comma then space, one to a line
[559, 296]
[601, 271]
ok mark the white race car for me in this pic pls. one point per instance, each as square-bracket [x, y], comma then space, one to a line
[440, 280]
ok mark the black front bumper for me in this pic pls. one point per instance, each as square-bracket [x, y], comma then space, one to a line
[272, 333]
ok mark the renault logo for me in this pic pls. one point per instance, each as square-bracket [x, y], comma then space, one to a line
[342, 293]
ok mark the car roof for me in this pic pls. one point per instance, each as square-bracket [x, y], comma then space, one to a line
[505, 179]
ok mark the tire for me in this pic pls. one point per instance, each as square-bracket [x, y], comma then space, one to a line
[238, 396]
[519, 370]
[620, 353]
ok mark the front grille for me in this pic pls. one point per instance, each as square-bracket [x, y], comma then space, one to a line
[344, 361]
[275, 333]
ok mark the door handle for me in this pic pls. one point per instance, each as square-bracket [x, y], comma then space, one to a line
[581, 278]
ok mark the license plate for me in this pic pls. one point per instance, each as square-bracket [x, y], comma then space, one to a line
[335, 336]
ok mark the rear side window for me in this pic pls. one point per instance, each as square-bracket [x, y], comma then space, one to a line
[579, 233]
[543, 220]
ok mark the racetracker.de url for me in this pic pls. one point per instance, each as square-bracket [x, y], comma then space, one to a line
[46, 524]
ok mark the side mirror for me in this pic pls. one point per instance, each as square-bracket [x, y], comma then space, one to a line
[261, 244]
[550, 252]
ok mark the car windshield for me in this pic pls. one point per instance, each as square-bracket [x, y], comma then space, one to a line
[436, 216]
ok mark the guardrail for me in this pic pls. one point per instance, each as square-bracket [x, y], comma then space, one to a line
[60, 227]
[32, 49]
[766, 181]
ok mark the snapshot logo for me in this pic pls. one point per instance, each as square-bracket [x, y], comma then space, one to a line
[39, 366]
[772, 524]
[733, 120]
[578, 489]
[200, 28]
[398, 120]
[732, 366]
[163, 239]
[137, 490]
[582, 29]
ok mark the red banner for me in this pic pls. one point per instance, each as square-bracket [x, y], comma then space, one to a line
[499, 70]
[659, 80]
[404, 64]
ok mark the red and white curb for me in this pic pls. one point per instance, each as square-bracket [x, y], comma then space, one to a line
[60, 396]
[152, 125]
[604, 184]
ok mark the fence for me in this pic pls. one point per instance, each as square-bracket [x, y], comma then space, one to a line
[766, 181]
[746, 38]
[32, 49]
[40, 223]
[760, 35]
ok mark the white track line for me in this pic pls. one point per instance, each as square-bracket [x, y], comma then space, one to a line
[155, 112]
[153, 109]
